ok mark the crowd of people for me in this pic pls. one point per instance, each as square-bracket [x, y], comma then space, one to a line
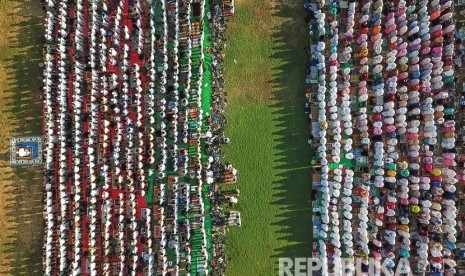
[224, 198]
[133, 159]
[382, 115]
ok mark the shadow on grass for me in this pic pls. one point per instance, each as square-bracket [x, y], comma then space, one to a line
[292, 190]
[22, 251]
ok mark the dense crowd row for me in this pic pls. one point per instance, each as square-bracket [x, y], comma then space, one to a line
[383, 127]
[132, 156]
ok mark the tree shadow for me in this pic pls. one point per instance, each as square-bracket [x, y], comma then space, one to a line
[21, 251]
[292, 190]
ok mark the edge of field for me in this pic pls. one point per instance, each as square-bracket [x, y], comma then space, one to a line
[21, 224]
[266, 55]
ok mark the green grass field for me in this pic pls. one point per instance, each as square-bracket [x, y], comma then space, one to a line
[21, 221]
[268, 130]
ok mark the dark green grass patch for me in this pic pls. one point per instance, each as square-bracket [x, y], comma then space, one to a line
[265, 75]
